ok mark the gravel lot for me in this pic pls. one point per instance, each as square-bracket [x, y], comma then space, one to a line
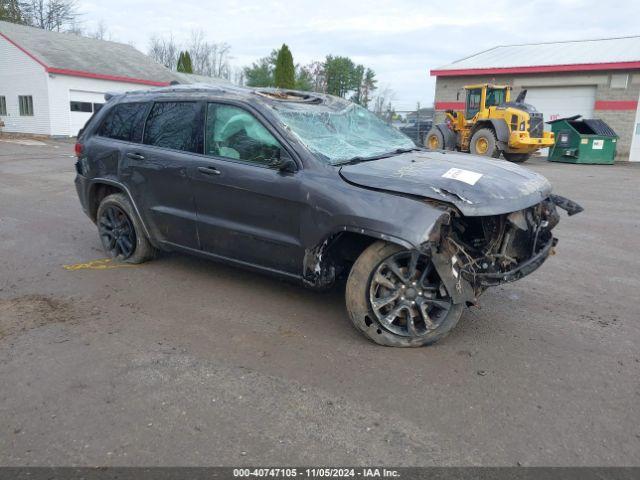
[182, 361]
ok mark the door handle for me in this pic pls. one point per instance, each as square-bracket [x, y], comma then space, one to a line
[135, 156]
[209, 170]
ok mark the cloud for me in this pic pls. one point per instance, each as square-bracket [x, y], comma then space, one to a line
[400, 39]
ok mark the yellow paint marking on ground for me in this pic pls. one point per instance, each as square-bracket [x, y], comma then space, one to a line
[99, 264]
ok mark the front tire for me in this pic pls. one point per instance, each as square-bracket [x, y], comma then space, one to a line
[121, 232]
[517, 157]
[484, 143]
[395, 298]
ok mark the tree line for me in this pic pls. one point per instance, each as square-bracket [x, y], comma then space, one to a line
[54, 15]
[335, 75]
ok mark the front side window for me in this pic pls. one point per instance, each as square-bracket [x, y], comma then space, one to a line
[25, 104]
[175, 125]
[338, 134]
[124, 122]
[234, 133]
[495, 97]
[3, 105]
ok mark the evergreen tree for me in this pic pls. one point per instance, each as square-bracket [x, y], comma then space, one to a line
[285, 72]
[339, 75]
[12, 11]
[188, 64]
[260, 73]
[184, 63]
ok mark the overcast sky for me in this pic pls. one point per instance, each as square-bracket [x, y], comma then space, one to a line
[400, 40]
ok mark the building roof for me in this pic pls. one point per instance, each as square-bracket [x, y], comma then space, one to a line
[192, 78]
[70, 54]
[621, 53]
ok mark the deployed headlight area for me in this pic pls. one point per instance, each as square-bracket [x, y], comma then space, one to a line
[472, 253]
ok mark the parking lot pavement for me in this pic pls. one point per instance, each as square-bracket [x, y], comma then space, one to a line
[182, 361]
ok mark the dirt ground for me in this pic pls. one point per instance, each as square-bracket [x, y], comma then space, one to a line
[183, 361]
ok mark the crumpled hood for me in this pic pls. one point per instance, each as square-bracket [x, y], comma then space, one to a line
[475, 185]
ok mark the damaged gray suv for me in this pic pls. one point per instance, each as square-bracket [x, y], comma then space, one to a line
[314, 189]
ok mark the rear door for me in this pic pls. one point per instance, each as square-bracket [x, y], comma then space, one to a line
[157, 170]
[247, 210]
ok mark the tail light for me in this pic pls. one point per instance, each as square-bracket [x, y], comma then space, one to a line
[79, 148]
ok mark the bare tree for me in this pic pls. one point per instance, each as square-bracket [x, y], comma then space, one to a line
[76, 28]
[209, 58]
[382, 105]
[318, 77]
[164, 51]
[199, 51]
[51, 14]
[101, 32]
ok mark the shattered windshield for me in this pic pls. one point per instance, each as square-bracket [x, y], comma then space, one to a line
[341, 135]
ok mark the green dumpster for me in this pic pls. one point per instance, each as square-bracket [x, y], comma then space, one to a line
[582, 141]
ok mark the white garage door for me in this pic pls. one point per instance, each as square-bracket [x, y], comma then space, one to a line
[81, 107]
[560, 102]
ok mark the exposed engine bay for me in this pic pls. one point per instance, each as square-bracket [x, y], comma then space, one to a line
[490, 250]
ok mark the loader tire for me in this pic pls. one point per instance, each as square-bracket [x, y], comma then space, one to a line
[484, 143]
[517, 157]
[434, 140]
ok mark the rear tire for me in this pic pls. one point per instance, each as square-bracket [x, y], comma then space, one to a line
[434, 140]
[517, 157]
[484, 143]
[121, 231]
[425, 312]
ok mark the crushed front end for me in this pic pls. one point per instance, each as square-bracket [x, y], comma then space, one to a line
[479, 252]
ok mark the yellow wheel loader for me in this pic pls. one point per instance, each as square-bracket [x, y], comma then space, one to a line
[491, 124]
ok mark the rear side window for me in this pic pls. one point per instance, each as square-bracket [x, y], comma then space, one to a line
[175, 125]
[124, 122]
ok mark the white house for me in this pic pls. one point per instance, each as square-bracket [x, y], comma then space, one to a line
[51, 83]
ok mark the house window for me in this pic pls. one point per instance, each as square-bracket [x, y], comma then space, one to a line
[3, 105]
[97, 106]
[26, 105]
[81, 107]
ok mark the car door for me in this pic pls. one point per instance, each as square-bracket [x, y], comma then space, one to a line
[247, 210]
[158, 169]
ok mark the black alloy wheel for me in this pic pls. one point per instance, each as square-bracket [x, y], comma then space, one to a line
[407, 296]
[117, 232]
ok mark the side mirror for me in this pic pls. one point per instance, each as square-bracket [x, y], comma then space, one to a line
[284, 162]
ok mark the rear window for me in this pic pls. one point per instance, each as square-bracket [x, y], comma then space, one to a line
[175, 125]
[124, 122]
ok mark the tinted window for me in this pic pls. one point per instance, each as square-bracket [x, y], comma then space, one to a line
[175, 125]
[124, 122]
[80, 107]
[234, 133]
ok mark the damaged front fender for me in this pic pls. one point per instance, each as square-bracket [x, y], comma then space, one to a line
[567, 205]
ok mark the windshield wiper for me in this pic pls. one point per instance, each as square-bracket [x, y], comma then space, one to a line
[359, 159]
[405, 150]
